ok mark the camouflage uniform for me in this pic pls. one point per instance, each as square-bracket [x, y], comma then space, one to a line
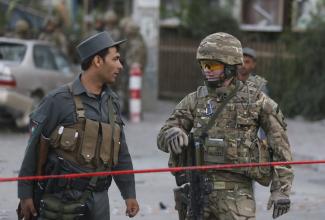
[134, 51]
[54, 35]
[232, 195]
[22, 30]
[111, 21]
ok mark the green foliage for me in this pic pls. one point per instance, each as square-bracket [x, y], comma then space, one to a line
[298, 81]
[203, 17]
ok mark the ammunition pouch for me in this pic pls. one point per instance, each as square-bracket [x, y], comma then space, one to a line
[181, 201]
[262, 174]
[220, 151]
[79, 143]
[52, 207]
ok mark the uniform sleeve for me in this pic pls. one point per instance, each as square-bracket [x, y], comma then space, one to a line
[38, 124]
[182, 117]
[125, 183]
[272, 121]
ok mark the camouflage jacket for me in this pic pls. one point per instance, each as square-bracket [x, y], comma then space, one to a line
[238, 123]
[257, 81]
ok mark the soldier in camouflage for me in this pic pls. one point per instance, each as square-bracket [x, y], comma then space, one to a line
[22, 30]
[247, 75]
[52, 33]
[233, 136]
[111, 24]
[135, 53]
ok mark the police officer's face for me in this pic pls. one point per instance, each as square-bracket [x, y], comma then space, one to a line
[111, 66]
[248, 66]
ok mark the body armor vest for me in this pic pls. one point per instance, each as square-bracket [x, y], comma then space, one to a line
[88, 143]
[233, 137]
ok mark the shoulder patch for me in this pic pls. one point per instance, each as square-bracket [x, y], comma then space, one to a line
[202, 91]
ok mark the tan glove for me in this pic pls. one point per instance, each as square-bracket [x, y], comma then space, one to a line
[281, 203]
[175, 139]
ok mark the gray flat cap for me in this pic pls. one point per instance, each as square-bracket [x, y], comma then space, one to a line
[96, 43]
[249, 52]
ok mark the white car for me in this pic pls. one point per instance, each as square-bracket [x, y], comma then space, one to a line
[29, 69]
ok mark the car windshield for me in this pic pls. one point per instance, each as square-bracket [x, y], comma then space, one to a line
[12, 51]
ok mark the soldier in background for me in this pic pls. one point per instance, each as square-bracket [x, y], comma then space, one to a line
[52, 33]
[247, 72]
[99, 23]
[21, 31]
[135, 54]
[247, 75]
[111, 24]
[223, 117]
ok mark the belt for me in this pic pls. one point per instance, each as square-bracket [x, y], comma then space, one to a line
[81, 184]
[218, 185]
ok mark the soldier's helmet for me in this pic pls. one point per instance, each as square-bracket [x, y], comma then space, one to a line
[21, 26]
[221, 47]
[131, 28]
[111, 17]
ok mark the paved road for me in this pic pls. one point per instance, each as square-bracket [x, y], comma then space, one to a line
[154, 190]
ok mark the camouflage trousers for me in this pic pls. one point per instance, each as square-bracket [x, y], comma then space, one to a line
[231, 204]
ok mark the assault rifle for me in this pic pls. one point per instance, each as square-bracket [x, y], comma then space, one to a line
[192, 195]
[199, 187]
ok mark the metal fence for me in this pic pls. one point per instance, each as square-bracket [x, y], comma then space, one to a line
[179, 72]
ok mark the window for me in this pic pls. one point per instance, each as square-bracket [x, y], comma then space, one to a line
[44, 58]
[61, 61]
[12, 51]
[262, 15]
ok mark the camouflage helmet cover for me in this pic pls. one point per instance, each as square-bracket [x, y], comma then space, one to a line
[110, 16]
[21, 26]
[222, 47]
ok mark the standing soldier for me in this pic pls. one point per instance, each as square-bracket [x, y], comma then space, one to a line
[111, 24]
[135, 54]
[78, 129]
[52, 33]
[223, 118]
[22, 30]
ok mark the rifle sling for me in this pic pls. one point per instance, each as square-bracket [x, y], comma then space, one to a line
[206, 127]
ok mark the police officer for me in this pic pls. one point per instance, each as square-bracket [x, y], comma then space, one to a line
[232, 136]
[247, 71]
[77, 128]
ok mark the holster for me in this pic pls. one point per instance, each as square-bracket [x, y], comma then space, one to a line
[52, 207]
[43, 150]
[181, 200]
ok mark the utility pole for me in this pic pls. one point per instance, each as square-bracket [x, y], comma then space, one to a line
[146, 15]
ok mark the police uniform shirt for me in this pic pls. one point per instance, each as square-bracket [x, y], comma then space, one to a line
[58, 108]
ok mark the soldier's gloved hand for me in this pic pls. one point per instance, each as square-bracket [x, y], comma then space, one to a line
[175, 139]
[281, 203]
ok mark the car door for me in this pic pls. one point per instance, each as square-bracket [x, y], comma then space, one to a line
[46, 75]
[64, 69]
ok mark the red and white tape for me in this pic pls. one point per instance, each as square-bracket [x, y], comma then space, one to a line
[161, 170]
